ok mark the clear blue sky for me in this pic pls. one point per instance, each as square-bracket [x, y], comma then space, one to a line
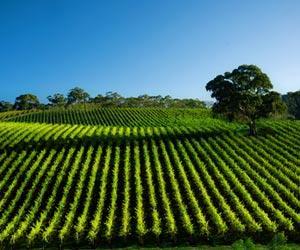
[144, 46]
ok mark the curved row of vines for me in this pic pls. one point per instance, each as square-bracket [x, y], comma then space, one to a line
[129, 117]
[89, 184]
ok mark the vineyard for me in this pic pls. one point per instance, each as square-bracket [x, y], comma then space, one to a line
[142, 180]
[129, 117]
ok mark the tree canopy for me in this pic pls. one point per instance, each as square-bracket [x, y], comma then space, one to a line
[77, 95]
[245, 94]
[292, 100]
[57, 99]
[113, 99]
[5, 106]
[26, 101]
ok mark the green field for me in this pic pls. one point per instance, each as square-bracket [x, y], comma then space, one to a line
[145, 176]
[113, 116]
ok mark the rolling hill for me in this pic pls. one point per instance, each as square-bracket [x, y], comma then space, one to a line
[112, 176]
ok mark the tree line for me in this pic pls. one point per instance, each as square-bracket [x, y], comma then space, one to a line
[245, 94]
[78, 96]
[292, 100]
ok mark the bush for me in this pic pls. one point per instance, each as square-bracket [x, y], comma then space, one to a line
[278, 242]
[246, 244]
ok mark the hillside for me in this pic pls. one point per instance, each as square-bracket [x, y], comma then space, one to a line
[145, 176]
[129, 117]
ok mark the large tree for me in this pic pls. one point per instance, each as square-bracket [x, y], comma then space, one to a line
[78, 95]
[292, 100]
[57, 99]
[26, 101]
[245, 94]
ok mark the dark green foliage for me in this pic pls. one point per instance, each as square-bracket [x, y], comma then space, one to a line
[246, 244]
[5, 106]
[113, 99]
[249, 244]
[77, 95]
[57, 100]
[26, 102]
[278, 242]
[245, 94]
[292, 100]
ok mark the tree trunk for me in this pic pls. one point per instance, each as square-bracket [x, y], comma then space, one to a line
[252, 128]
